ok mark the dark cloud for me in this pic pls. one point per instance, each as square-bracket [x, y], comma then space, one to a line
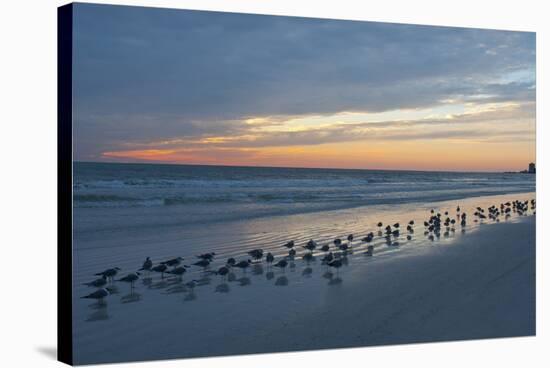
[144, 73]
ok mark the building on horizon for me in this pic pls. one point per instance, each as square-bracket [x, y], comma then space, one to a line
[532, 169]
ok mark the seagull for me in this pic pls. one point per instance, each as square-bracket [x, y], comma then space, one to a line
[269, 258]
[257, 254]
[173, 262]
[222, 271]
[380, 224]
[325, 248]
[160, 268]
[131, 278]
[311, 245]
[292, 253]
[202, 263]
[109, 273]
[98, 282]
[146, 265]
[98, 294]
[337, 263]
[231, 262]
[207, 256]
[178, 271]
[307, 257]
[350, 238]
[290, 244]
[281, 264]
[243, 265]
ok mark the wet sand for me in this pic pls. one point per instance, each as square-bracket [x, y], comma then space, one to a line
[477, 284]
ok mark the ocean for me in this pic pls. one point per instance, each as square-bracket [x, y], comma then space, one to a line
[203, 194]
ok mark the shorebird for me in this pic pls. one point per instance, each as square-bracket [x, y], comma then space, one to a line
[109, 273]
[337, 241]
[325, 248]
[281, 264]
[311, 245]
[98, 294]
[380, 224]
[223, 271]
[337, 263]
[396, 225]
[256, 254]
[328, 258]
[290, 244]
[292, 253]
[269, 258]
[173, 262]
[160, 268]
[350, 238]
[131, 278]
[102, 281]
[207, 256]
[146, 265]
[231, 262]
[178, 271]
[204, 263]
[243, 265]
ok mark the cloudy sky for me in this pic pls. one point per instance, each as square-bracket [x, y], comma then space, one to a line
[174, 86]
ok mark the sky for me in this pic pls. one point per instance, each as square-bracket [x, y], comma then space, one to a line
[192, 87]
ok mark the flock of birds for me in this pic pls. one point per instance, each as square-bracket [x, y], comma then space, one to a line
[334, 254]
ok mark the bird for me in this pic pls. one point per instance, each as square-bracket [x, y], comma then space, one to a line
[146, 265]
[337, 241]
[292, 253]
[231, 262]
[281, 264]
[337, 263]
[202, 263]
[110, 273]
[311, 245]
[256, 254]
[396, 225]
[173, 262]
[328, 258]
[350, 238]
[380, 224]
[98, 294]
[411, 222]
[131, 278]
[178, 271]
[160, 268]
[269, 258]
[325, 248]
[102, 281]
[243, 265]
[207, 256]
[223, 271]
[290, 244]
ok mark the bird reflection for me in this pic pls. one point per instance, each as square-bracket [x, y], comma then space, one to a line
[222, 288]
[281, 281]
[130, 298]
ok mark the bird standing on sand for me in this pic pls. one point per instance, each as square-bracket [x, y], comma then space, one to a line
[281, 264]
[98, 294]
[231, 262]
[269, 258]
[109, 273]
[173, 262]
[160, 268]
[131, 278]
[256, 254]
[292, 253]
[243, 265]
[325, 248]
[102, 281]
[290, 244]
[350, 238]
[178, 271]
[204, 263]
[311, 245]
[146, 265]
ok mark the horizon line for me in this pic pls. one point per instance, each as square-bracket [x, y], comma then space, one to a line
[297, 167]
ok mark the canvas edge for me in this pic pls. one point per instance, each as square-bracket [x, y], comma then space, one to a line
[64, 184]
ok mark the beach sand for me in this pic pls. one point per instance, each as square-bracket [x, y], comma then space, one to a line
[472, 285]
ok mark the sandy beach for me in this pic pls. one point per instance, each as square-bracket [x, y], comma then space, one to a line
[476, 283]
